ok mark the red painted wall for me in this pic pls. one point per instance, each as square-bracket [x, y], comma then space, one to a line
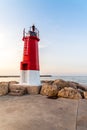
[30, 54]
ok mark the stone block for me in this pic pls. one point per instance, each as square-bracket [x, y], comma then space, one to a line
[33, 89]
[3, 88]
[17, 90]
[69, 93]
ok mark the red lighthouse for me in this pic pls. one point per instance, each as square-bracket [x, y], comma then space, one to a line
[30, 65]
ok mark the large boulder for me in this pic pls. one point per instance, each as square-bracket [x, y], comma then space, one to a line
[44, 89]
[33, 89]
[11, 83]
[81, 92]
[52, 91]
[85, 94]
[47, 82]
[3, 88]
[17, 90]
[49, 90]
[69, 92]
[61, 84]
[71, 84]
[82, 87]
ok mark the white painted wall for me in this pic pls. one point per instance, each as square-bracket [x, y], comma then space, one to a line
[30, 77]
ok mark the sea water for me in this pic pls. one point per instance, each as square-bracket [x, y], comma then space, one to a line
[78, 79]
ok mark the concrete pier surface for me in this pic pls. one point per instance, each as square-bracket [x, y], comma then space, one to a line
[36, 112]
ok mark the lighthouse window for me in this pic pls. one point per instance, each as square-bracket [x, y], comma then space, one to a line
[25, 66]
[32, 33]
[25, 49]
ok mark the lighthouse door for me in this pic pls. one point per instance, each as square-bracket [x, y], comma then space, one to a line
[24, 74]
[25, 66]
[24, 77]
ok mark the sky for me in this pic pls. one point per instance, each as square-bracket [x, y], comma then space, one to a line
[63, 35]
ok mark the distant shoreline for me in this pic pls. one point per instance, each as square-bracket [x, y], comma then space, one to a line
[8, 76]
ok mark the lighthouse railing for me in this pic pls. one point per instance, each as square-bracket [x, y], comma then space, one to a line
[30, 32]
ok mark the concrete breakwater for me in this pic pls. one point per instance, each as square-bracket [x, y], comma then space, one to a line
[52, 89]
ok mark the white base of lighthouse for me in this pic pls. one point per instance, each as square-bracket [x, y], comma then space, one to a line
[30, 77]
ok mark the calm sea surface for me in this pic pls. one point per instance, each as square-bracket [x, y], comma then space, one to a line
[79, 79]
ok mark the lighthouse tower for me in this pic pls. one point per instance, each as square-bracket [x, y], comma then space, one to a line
[29, 67]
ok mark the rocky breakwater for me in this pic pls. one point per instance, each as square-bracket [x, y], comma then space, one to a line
[13, 88]
[51, 89]
[63, 89]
